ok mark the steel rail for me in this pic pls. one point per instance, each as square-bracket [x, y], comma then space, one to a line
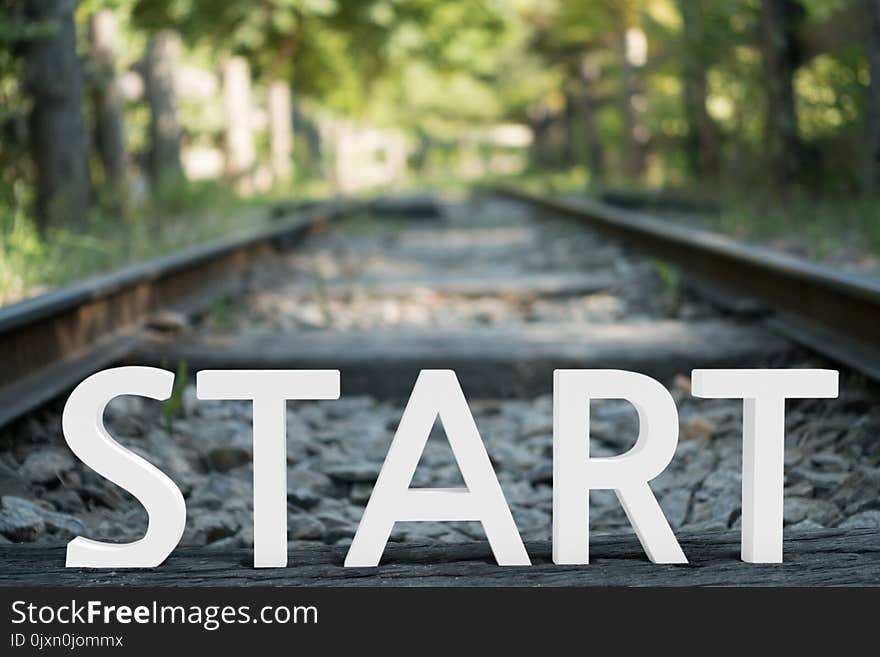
[833, 312]
[51, 342]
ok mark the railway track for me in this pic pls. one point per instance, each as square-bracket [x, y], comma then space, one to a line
[832, 312]
[503, 291]
[51, 342]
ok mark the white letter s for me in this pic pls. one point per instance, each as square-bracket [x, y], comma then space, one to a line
[83, 427]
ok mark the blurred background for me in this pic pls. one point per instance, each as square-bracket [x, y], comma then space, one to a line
[131, 128]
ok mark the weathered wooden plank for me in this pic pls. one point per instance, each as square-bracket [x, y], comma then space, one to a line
[830, 557]
[490, 362]
[411, 206]
[503, 284]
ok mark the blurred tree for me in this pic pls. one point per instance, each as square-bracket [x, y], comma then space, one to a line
[330, 48]
[241, 155]
[57, 128]
[872, 109]
[780, 20]
[590, 72]
[659, 92]
[162, 58]
[280, 130]
[701, 140]
[633, 57]
[15, 169]
[579, 38]
[109, 132]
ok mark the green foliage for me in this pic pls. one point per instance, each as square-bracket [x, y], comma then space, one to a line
[671, 281]
[176, 196]
[819, 227]
[171, 406]
[218, 315]
[180, 215]
[441, 71]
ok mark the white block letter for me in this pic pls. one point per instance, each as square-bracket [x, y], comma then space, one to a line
[436, 392]
[269, 390]
[83, 426]
[763, 393]
[575, 473]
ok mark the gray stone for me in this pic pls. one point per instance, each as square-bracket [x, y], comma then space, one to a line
[206, 501]
[310, 478]
[675, 505]
[510, 456]
[726, 507]
[11, 482]
[67, 500]
[794, 509]
[232, 492]
[336, 525]
[59, 523]
[303, 497]
[101, 496]
[366, 472]
[228, 543]
[806, 525]
[618, 435]
[210, 527]
[724, 479]
[20, 520]
[541, 474]
[225, 457]
[603, 499]
[65, 526]
[171, 454]
[46, 465]
[125, 415]
[360, 493]
[859, 490]
[869, 518]
[715, 508]
[246, 536]
[824, 513]
[800, 489]
[303, 526]
[830, 461]
[819, 479]
[531, 520]
[797, 509]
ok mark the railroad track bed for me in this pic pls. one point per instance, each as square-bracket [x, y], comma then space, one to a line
[502, 293]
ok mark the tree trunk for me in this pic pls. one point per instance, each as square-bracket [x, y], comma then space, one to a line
[779, 19]
[590, 73]
[109, 132]
[162, 54]
[540, 121]
[701, 147]
[569, 148]
[872, 106]
[280, 131]
[240, 153]
[58, 134]
[634, 53]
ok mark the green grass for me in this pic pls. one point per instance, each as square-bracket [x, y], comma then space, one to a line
[180, 215]
[172, 406]
[183, 214]
[818, 225]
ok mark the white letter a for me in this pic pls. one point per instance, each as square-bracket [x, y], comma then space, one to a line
[437, 392]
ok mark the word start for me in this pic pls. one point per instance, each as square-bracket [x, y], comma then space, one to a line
[438, 393]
